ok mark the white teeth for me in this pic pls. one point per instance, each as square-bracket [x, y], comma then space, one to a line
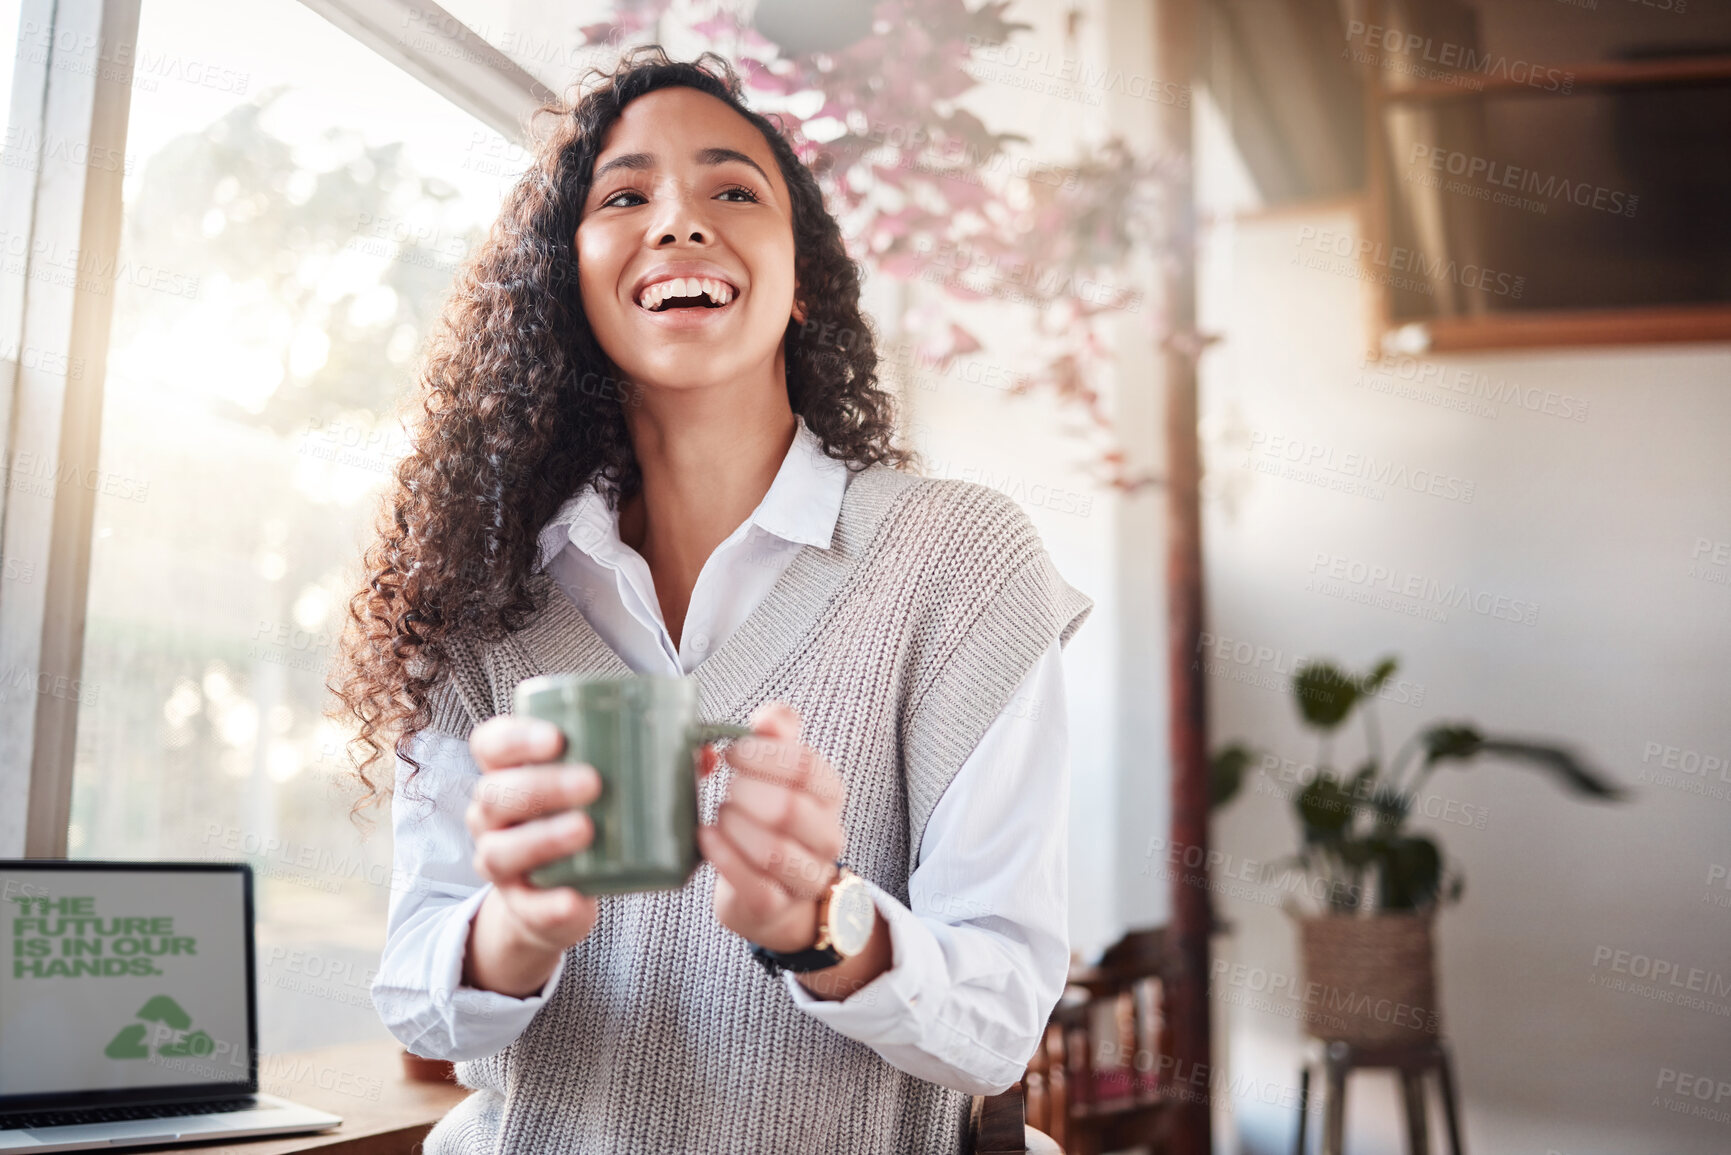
[719, 292]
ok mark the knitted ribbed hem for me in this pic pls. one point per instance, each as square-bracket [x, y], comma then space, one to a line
[469, 1128]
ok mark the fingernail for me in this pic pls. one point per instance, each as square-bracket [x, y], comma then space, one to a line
[545, 736]
[579, 777]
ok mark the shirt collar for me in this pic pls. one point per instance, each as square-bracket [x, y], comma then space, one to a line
[801, 507]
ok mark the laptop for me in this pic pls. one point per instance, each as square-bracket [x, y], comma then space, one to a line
[127, 1008]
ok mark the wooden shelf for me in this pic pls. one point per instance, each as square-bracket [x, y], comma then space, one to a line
[1559, 329]
[1551, 330]
[1459, 84]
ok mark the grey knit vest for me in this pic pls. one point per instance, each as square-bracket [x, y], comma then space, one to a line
[898, 645]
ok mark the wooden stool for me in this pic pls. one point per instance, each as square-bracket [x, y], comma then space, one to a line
[1412, 1060]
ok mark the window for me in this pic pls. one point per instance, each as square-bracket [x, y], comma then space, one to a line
[278, 268]
[9, 18]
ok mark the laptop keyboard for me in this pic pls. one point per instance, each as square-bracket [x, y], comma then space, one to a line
[84, 1115]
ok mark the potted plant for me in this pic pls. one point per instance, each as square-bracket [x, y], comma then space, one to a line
[1367, 953]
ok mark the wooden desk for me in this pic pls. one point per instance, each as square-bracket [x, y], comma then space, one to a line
[383, 1112]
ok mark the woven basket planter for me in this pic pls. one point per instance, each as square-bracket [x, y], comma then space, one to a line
[1369, 980]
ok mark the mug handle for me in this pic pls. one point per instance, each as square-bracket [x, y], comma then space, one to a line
[715, 731]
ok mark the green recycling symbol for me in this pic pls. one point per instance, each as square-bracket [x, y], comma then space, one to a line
[130, 1042]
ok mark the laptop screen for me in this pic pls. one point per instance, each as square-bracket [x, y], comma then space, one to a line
[124, 977]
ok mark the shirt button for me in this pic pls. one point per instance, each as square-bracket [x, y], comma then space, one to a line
[700, 642]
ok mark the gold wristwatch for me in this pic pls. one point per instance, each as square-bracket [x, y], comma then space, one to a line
[845, 915]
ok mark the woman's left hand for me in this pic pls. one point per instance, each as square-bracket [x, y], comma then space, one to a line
[777, 835]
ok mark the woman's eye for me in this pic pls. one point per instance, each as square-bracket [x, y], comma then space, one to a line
[741, 190]
[614, 199]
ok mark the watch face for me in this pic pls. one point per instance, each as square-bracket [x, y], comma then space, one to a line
[851, 913]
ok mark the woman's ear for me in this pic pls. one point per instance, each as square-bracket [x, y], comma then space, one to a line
[798, 309]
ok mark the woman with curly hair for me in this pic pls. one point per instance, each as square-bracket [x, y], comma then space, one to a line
[651, 439]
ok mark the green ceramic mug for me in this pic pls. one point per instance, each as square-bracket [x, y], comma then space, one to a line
[640, 734]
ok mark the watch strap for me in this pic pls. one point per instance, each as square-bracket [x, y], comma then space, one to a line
[810, 959]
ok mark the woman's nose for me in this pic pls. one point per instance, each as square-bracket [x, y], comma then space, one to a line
[682, 223]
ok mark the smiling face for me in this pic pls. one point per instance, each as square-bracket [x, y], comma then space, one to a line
[685, 252]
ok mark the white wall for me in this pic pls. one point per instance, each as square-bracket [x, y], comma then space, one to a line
[1603, 530]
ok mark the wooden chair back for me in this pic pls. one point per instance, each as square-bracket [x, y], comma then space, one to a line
[1102, 1081]
[997, 1123]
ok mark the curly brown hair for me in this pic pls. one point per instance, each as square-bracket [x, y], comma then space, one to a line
[519, 408]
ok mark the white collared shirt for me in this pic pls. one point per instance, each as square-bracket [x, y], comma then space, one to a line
[980, 954]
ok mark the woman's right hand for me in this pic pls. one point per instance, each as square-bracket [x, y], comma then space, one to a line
[525, 813]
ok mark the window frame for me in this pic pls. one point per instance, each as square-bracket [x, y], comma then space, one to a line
[56, 206]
